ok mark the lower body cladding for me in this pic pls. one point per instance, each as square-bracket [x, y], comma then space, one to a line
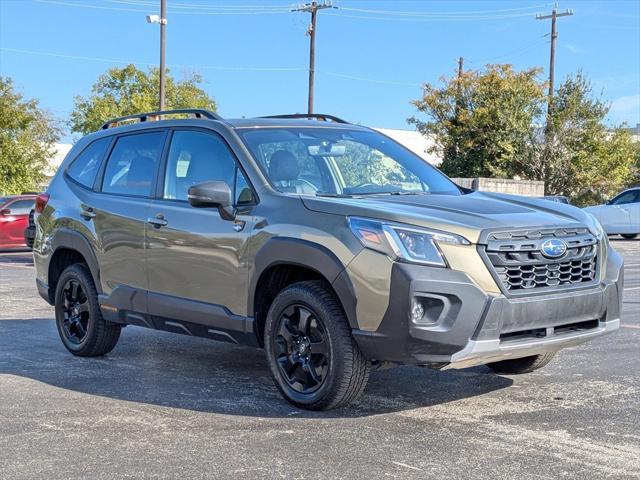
[440, 318]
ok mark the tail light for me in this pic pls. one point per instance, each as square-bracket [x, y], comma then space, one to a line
[41, 202]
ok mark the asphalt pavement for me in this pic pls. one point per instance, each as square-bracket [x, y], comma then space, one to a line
[170, 406]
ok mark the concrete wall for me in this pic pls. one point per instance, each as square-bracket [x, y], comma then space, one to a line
[527, 188]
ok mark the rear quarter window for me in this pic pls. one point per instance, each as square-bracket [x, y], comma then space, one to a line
[85, 167]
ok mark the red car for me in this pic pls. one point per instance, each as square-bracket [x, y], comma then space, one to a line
[14, 218]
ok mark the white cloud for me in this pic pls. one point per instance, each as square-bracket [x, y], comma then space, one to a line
[625, 109]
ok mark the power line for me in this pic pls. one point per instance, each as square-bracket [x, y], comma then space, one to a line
[171, 9]
[441, 14]
[210, 67]
[428, 19]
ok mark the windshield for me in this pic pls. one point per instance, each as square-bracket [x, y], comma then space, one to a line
[341, 162]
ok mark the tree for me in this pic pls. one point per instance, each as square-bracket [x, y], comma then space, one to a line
[586, 160]
[128, 90]
[491, 123]
[27, 139]
[483, 123]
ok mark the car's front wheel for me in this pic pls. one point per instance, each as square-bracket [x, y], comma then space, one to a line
[518, 366]
[314, 360]
[82, 329]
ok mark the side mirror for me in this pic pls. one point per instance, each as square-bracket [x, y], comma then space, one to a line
[213, 194]
[5, 211]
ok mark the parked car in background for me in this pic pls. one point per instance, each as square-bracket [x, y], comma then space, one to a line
[14, 217]
[30, 231]
[621, 214]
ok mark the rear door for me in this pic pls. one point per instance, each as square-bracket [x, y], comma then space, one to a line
[13, 223]
[119, 213]
[195, 256]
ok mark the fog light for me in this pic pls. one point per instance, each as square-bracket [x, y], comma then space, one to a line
[417, 310]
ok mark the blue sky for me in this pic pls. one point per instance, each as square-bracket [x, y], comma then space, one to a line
[253, 54]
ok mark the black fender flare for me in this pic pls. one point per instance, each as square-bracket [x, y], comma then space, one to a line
[73, 240]
[307, 254]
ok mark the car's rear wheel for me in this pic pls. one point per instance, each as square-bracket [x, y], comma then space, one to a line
[82, 329]
[314, 360]
[629, 236]
[517, 366]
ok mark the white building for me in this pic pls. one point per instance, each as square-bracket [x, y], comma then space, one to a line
[414, 141]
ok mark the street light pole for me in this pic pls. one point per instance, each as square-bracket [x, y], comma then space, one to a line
[162, 20]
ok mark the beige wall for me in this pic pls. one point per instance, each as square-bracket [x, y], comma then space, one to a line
[527, 188]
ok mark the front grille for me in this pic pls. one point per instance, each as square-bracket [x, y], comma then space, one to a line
[519, 265]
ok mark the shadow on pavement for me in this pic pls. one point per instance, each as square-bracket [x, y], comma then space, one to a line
[162, 369]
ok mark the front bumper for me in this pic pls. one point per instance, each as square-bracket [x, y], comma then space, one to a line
[464, 326]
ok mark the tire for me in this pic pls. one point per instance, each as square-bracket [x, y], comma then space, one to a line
[80, 325]
[518, 366]
[325, 369]
[628, 236]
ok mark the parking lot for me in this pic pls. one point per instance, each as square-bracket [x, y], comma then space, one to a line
[169, 406]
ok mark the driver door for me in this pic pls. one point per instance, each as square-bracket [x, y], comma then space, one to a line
[196, 260]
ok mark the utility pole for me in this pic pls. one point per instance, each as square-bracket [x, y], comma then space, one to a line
[552, 56]
[548, 131]
[312, 8]
[460, 67]
[163, 27]
[162, 20]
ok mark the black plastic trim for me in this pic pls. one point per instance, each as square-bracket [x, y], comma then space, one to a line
[73, 240]
[303, 253]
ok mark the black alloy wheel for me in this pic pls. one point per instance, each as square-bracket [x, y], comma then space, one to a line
[302, 349]
[82, 328]
[314, 360]
[75, 309]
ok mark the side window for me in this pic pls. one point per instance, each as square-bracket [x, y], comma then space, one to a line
[624, 198]
[196, 157]
[131, 167]
[85, 167]
[244, 194]
[21, 207]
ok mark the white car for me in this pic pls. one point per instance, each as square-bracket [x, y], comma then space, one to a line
[621, 214]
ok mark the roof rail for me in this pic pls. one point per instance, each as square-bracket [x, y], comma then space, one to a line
[311, 116]
[143, 117]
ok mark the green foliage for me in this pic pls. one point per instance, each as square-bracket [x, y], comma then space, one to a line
[483, 122]
[128, 90]
[27, 138]
[490, 123]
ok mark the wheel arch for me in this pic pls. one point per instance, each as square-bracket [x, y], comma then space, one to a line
[282, 261]
[69, 247]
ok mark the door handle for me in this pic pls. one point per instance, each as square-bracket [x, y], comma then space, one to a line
[87, 212]
[157, 221]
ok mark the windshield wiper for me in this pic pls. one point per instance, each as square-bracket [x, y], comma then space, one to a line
[399, 192]
[334, 195]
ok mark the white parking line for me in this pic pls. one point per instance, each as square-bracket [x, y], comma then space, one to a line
[626, 325]
[632, 288]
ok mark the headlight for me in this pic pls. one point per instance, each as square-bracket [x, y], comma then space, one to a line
[596, 226]
[404, 243]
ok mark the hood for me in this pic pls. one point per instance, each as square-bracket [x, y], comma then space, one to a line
[465, 215]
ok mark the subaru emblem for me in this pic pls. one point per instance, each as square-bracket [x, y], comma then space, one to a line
[553, 248]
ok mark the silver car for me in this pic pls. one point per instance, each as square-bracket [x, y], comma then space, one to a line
[621, 214]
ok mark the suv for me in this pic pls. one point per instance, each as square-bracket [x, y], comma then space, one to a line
[328, 244]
